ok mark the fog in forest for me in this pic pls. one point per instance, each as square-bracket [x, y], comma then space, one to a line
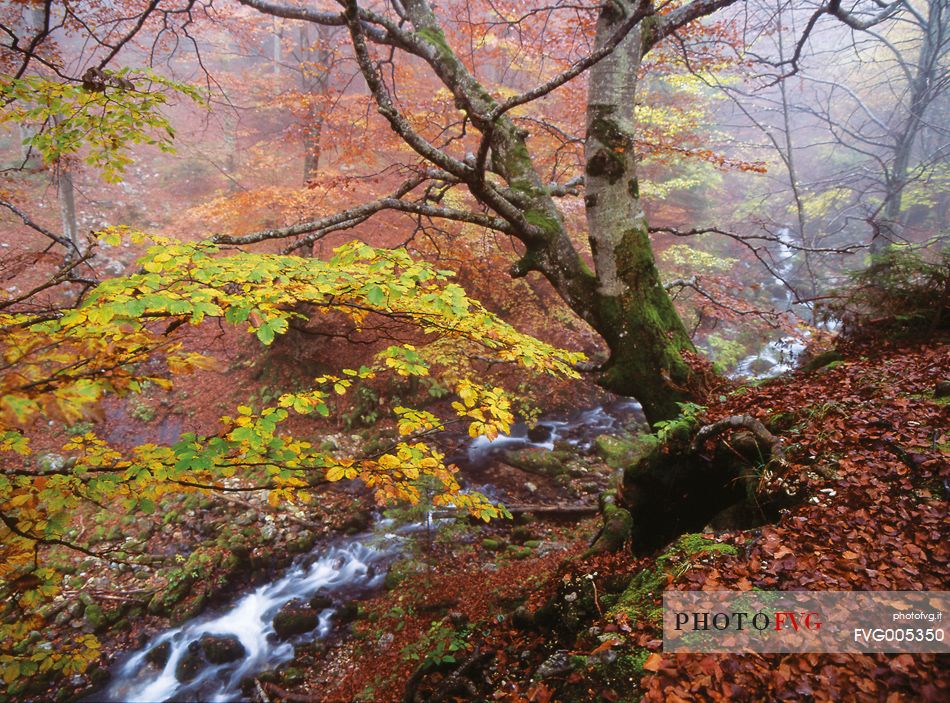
[409, 350]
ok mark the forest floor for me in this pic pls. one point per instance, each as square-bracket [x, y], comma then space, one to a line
[512, 611]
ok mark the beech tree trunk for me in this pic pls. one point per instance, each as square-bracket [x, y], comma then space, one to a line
[634, 311]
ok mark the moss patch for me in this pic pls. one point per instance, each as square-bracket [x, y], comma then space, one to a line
[619, 452]
[639, 599]
[540, 461]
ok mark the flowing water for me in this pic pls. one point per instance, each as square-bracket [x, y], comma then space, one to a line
[578, 429]
[342, 572]
[351, 568]
[781, 355]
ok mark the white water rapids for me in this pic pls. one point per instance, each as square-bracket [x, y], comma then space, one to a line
[352, 566]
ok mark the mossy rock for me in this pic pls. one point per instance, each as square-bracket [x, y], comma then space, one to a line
[98, 619]
[822, 360]
[221, 649]
[519, 552]
[347, 613]
[190, 663]
[303, 543]
[618, 452]
[540, 461]
[493, 545]
[295, 618]
[521, 534]
[321, 600]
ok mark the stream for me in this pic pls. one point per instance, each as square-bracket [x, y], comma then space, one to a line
[208, 657]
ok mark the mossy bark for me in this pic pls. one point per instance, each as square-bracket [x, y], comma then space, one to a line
[635, 313]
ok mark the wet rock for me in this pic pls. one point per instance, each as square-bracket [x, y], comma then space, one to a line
[294, 619]
[94, 617]
[539, 461]
[540, 433]
[221, 650]
[347, 613]
[321, 600]
[190, 664]
[942, 389]
[157, 656]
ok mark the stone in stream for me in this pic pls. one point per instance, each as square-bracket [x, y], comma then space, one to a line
[221, 649]
[190, 664]
[347, 613]
[540, 433]
[295, 618]
[158, 656]
[211, 649]
[321, 600]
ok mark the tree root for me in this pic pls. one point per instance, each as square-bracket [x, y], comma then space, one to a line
[745, 422]
[618, 524]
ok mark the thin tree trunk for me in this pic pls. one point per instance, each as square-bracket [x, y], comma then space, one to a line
[314, 80]
[67, 206]
[276, 48]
